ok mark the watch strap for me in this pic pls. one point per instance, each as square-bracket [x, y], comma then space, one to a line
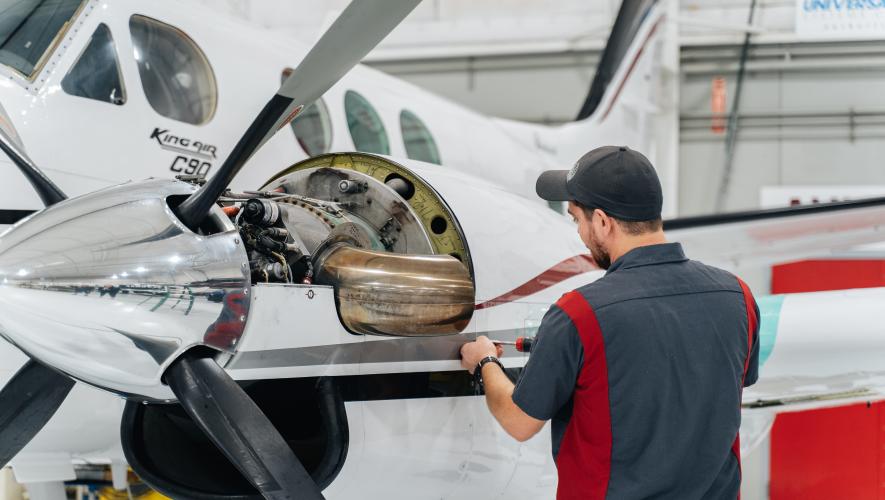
[484, 361]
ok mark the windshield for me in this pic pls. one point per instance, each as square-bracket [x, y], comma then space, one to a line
[28, 29]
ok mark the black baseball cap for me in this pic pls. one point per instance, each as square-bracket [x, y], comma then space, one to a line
[617, 180]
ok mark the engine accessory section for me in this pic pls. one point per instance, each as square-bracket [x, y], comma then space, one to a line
[400, 266]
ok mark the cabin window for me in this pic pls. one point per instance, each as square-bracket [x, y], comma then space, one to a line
[175, 74]
[312, 127]
[29, 29]
[366, 128]
[417, 139]
[96, 74]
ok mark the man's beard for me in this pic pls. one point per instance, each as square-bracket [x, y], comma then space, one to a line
[600, 254]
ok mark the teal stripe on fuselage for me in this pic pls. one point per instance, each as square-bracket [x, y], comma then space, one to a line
[770, 311]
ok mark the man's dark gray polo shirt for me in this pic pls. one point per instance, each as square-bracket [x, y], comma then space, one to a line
[675, 336]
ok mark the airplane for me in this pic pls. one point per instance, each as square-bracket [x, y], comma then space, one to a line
[90, 67]
[101, 69]
[371, 405]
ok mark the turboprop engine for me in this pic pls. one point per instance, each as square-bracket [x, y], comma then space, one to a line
[111, 289]
[114, 275]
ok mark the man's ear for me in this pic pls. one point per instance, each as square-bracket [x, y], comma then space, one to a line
[604, 220]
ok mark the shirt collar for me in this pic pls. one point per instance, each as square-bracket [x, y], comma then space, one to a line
[649, 255]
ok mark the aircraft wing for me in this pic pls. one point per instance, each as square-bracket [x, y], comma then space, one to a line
[770, 396]
[762, 237]
[816, 350]
[807, 393]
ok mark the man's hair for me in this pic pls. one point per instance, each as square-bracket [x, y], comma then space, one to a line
[633, 228]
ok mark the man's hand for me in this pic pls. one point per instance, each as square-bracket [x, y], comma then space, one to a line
[499, 390]
[473, 352]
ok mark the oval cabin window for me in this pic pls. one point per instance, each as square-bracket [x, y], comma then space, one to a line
[175, 74]
[313, 129]
[417, 139]
[366, 128]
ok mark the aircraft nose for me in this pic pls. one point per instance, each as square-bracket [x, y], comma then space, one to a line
[110, 288]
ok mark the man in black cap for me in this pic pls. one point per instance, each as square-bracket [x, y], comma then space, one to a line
[641, 371]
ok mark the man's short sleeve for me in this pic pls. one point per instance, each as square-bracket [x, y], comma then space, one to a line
[548, 380]
[753, 366]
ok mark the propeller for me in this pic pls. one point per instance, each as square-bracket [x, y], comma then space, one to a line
[232, 420]
[46, 189]
[214, 401]
[35, 392]
[356, 31]
[27, 402]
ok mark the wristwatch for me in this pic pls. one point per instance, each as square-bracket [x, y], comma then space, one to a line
[477, 373]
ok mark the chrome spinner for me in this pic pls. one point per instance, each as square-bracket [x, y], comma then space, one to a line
[110, 287]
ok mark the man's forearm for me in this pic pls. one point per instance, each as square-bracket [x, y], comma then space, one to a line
[498, 388]
[499, 398]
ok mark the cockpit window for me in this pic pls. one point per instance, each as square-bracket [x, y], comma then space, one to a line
[312, 127]
[366, 128]
[28, 29]
[175, 74]
[96, 74]
[417, 139]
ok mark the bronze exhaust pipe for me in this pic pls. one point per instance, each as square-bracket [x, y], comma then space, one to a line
[382, 293]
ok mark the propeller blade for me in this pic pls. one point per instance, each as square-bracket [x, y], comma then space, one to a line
[46, 189]
[232, 420]
[27, 402]
[357, 31]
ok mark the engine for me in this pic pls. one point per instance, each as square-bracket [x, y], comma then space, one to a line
[376, 232]
[400, 266]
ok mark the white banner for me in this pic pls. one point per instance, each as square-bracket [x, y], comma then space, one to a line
[841, 18]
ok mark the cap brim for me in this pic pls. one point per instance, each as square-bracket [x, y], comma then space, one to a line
[551, 185]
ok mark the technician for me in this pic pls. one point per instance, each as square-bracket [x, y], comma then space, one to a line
[640, 371]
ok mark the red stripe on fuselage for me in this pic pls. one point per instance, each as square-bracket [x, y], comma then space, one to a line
[579, 264]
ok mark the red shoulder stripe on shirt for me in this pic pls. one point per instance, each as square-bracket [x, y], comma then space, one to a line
[752, 321]
[584, 460]
[750, 303]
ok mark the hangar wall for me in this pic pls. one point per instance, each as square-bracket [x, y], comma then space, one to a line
[809, 115]
[812, 109]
